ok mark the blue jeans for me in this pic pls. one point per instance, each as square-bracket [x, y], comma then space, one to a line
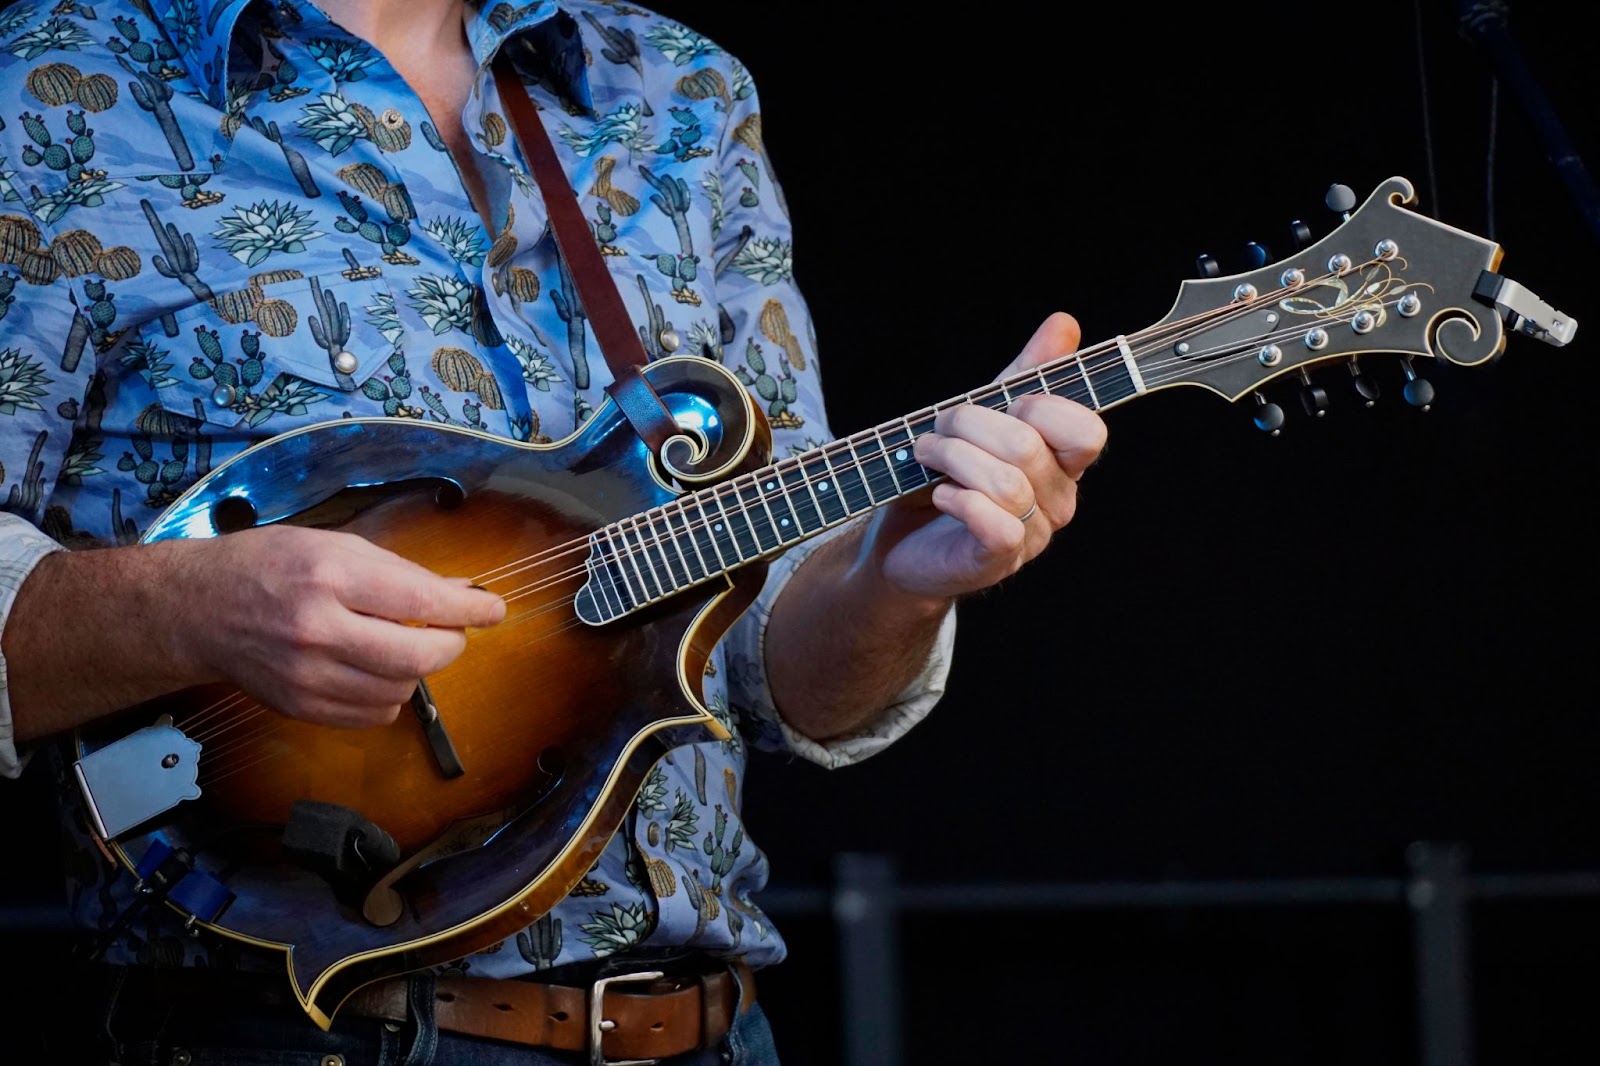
[254, 1035]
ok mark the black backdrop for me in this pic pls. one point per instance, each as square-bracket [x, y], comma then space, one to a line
[1247, 657]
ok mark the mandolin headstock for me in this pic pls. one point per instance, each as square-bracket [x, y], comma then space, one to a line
[1387, 282]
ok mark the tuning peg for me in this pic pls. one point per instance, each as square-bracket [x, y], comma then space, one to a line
[1207, 266]
[1269, 416]
[1256, 255]
[1299, 234]
[1365, 384]
[1341, 200]
[1418, 390]
[1313, 397]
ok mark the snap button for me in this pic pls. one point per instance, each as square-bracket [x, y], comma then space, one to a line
[346, 362]
[669, 339]
[222, 395]
[181, 1058]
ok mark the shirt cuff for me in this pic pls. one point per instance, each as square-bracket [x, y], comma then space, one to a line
[750, 689]
[22, 545]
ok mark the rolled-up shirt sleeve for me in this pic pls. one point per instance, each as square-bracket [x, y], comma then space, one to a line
[770, 343]
[21, 548]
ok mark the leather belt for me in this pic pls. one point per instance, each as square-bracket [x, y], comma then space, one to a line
[656, 1018]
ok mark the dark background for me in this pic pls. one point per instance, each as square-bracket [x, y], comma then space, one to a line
[1248, 657]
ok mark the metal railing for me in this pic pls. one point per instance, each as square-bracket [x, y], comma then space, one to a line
[866, 901]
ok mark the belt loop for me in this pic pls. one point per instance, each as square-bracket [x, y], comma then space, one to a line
[420, 989]
[746, 979]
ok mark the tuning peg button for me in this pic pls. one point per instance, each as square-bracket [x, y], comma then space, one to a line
[1418, 390]
[1207, 266]
[1366, 385]
[1299, 234]
[1269, 416]
[1313, 397]
[1341, 200]
[1256, 255]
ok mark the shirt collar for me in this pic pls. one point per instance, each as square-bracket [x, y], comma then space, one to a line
[202, 31]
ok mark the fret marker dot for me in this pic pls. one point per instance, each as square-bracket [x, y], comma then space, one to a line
[717, 527]
[900, 456]
[771, 485]
[783, 521]
[822, 486]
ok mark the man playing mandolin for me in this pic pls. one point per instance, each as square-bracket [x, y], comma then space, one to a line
[226, 223]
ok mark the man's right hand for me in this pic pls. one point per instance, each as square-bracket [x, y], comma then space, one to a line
[319, 625]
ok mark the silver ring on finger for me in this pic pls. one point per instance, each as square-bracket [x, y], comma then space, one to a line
[1029, 513]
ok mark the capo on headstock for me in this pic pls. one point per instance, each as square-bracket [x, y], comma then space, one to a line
[1524, 312]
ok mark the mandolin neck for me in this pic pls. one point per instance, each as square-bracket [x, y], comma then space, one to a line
[645, 558]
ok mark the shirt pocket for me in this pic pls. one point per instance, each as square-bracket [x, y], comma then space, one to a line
[285, 352]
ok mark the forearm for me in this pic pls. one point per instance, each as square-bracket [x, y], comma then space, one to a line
[92, 632]
[843, 643]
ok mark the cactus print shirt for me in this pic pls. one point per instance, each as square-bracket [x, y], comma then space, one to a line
[223, 219]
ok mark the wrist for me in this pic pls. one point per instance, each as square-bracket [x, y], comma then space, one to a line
[173, 594]
[868, 573]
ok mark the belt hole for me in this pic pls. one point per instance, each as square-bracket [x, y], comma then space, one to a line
[502, 1006]
[559, 1016]
[445, 997]
[657, 1027]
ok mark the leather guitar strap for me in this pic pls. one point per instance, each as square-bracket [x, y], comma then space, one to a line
[613, 329]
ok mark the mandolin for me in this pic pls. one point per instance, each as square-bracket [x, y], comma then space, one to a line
[622, 569]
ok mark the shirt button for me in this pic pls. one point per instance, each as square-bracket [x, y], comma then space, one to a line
[345, 363]
[669, 339]
[222, 395]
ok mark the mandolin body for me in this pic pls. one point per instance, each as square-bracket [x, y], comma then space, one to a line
[555, 722]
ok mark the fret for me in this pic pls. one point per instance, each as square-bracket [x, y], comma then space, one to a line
[1067, 380]
[682, 534]
[825, 487]
[897, 446]
[602, 571]
[667, 545]
[847, 476]
[775, 498]
[745, 543]
[762, 520]
[1110, 379]
[874, 469]
[709, 538]
[994, 400]
[625, 561]
[888, 461]
[803, 499]
[650, 577]
[850, 479]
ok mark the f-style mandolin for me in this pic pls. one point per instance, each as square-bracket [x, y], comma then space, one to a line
[622, 569]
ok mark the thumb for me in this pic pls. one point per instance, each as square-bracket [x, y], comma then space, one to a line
[1056, 336]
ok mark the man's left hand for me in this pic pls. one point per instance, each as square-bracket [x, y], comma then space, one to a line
[1011, 481]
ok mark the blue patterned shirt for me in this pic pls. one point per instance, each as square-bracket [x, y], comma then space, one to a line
[223, 219]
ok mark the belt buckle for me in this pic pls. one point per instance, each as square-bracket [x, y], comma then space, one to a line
[599, 1025]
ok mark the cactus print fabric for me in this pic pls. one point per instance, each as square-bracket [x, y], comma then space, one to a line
[223, 220]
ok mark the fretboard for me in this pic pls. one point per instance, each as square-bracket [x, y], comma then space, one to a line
[641, 560]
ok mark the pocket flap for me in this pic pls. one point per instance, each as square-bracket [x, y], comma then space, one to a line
[275, 351]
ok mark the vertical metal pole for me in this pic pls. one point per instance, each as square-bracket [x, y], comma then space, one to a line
[1437, 895]
[866, 916]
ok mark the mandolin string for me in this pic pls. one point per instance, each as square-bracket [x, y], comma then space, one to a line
[633, 549]
[636, 548]
[842, 447]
